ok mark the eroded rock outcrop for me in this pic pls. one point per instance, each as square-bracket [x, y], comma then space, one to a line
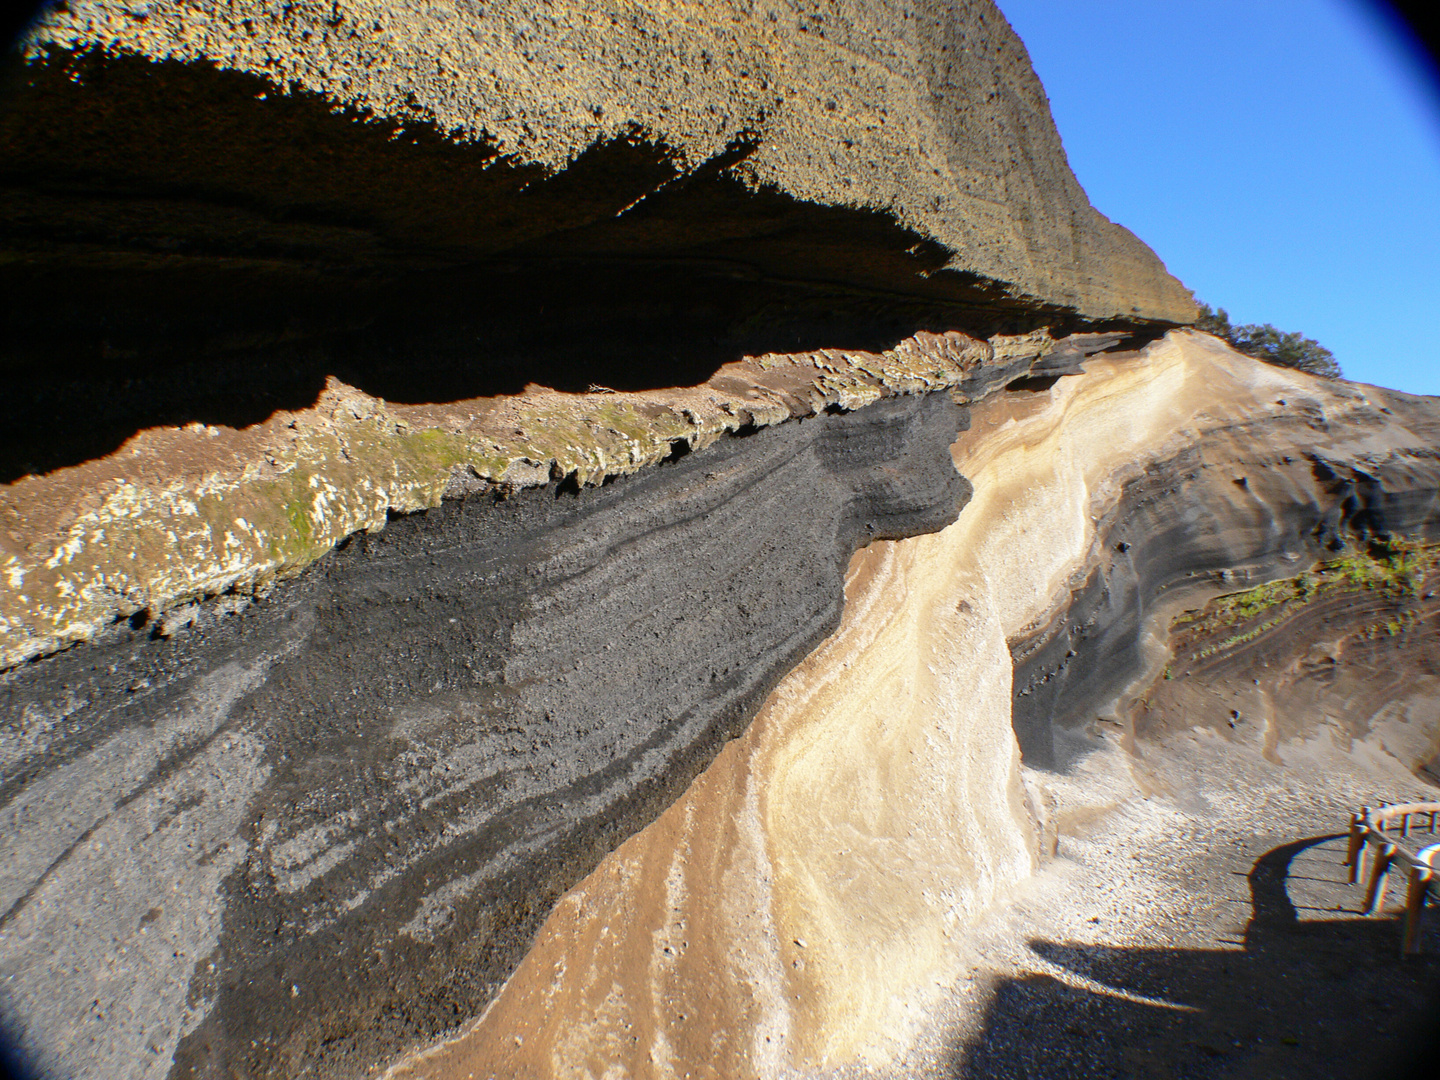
[301, 834]
[308, 822]
[210, 209]
[1347, 653]
[434, 431]
[876, 804]
[180, 515]
[1331, 469]
[921, 112]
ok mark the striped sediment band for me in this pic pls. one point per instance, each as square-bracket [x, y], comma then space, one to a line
[181, 514]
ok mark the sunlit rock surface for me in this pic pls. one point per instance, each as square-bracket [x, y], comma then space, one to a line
[436, 431]
[432, 430]
[305, 824]
[805, 901]
[1345, 654]
[1323, 476]
[928, 115]
[179, 515]
[210, 210]
[299, 831]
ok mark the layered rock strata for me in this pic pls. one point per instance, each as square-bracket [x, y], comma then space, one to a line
[432, 430]
[209, 209]
[180, 515]
[1329, 471]
[876, 804]
[1346, 654]
[928, 114]
[299, 829]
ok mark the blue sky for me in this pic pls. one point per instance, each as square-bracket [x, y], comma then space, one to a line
[1281, 156]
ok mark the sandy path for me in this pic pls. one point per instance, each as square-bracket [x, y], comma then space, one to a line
[1193, 933]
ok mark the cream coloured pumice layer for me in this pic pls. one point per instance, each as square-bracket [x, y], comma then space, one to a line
[803, 902]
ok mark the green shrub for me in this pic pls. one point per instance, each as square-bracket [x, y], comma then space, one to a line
[1264, 342]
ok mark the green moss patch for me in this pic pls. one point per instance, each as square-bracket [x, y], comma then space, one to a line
[1394, 567]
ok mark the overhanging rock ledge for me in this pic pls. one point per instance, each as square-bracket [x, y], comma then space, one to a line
[434, 430]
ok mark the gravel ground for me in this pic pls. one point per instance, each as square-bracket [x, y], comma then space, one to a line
[1195, 923]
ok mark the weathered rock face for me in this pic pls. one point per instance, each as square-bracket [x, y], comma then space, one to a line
[305, 834]
[927, 113]
[179, 515]
[208, 209]
[804, 903]
[1347, 654]
[279, 809]
[307, 822]
[1331, 470]
[432, 432]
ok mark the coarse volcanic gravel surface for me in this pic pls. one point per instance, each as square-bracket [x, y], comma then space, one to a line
[1195, 922]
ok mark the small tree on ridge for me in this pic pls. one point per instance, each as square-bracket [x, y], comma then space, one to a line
[1264, 342]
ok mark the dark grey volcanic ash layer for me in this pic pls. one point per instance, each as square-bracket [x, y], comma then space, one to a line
[1254, 502]
[300, 837]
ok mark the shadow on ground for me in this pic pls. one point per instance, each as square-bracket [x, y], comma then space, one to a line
[1319, 998]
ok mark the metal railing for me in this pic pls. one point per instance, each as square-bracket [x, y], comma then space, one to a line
[1388, 830]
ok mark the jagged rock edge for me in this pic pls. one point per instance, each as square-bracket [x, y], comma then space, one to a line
[143, 548]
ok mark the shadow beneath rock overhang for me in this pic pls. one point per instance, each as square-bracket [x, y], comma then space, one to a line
[1304, 998]
[182, 243]
[12, 1066]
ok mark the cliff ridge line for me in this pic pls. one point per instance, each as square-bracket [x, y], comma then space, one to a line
[179, 514]
[927, 113]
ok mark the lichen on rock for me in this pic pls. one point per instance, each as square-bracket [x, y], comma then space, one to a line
[181, 514]
[916, 112]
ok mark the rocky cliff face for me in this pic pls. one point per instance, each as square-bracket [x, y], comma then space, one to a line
[926, 114]
[1327, 476]
[344, 807]
[372, 779]
[210, 209]
[438, 439]
[877, 805]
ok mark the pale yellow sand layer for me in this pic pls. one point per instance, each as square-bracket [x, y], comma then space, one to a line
[799, 906]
